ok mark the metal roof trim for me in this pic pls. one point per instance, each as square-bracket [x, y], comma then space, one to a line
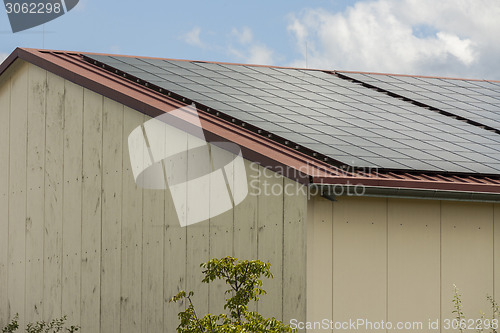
[9, 60]
[427, 194]
[462, 185]
[402, 193]
[267, 152]
[257, 148]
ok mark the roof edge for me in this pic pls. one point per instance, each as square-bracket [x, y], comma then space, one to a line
[394, 183]
[330, 70]
[182, 60]
[426, 194]
[72, 67]
[9, 60]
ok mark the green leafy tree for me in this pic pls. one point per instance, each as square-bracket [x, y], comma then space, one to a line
[245, 285]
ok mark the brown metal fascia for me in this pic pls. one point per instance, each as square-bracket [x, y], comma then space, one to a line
[9, 60]
[294, 164]
[415, 184]
[477, 180]
[256, 148]
[491, 180]
[104, 83]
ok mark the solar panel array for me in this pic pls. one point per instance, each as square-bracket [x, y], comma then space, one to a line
[343, 120]
[472, 99]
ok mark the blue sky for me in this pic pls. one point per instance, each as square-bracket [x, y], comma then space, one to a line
[160, 28]
[445, 38]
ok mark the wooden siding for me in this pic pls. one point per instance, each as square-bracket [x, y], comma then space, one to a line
[396, 260]
[5, 88]
[78, 237]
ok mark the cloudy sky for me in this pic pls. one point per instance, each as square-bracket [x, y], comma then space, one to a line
[457, 38]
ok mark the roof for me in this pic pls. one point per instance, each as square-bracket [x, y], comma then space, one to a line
[379, 130]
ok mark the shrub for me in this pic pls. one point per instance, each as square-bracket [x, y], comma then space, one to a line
[480, 325]
[243, 278]
[54, 326]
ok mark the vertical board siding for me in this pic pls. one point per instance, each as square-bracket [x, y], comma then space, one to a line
[37, 91]
[5, 83]
[17, 189]
[84, 240]
[198, 235]
[397, 259]
[221, 230]
[112, 126]
[360, 259]
[152, 245]
[467, 254]
[152, 256]
[131, 234]
[413, 260]
[320, 262]
[245, 217]
[496, 251]
[91, 213]
[175, 255]
[72, 204]
[294, 256]
[270, 245]
[54, 169]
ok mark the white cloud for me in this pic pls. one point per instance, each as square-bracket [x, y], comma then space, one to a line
[250, 51]
[446, 37]
[193, 37]
[245, 36]
[260, 54]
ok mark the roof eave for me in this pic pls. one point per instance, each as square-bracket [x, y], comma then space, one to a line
[392, 183]
[256, 148]
[9, 60]
[417, 193]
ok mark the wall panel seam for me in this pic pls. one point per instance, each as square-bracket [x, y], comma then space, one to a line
[26, 191]
[44, 188]
[333, 256]
[63, 199]
[101, 171]
[283, 249]
[82, 197]
[440, 262]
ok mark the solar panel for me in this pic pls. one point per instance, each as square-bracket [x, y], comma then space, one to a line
[341, 119]
[459, 97]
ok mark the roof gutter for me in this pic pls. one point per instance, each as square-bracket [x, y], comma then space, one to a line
[333, 192]
[451, 185]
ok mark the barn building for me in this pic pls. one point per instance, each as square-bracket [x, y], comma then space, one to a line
[370, 194]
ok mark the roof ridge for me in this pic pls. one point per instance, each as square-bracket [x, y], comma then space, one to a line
[417, 76]
[257, 65]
